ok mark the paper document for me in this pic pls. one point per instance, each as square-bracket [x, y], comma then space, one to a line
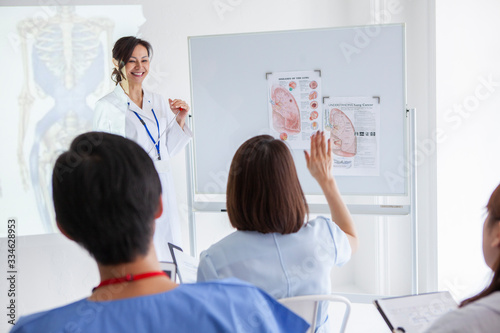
[295, 106]
[354, 126]
[187, 266]
[415, 313]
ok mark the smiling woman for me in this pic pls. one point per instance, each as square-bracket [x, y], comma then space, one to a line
[131, 59]
[143, 116]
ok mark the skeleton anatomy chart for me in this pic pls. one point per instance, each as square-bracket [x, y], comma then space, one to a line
[66, 55]
[353, 123]
[59, 65]
[294, 106]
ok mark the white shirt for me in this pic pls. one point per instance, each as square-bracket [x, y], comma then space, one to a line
[114, 113]
[481, 316]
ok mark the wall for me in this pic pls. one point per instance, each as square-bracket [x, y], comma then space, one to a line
[468, 81]
[51, 271]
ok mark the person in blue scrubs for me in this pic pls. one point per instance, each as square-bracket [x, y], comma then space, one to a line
[274, 247]
[107, 195]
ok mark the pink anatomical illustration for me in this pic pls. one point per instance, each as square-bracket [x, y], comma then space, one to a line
[286, 116]
[313, 115]
[313, 85]
[342, 134]
[292, 85]
[313, 95]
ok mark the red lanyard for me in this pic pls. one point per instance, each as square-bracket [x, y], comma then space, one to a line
[129, 278]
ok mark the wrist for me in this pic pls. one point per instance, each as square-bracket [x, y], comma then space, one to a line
[327, 183]
[181, 121]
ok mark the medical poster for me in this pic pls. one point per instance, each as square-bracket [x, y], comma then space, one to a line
[353, 124]
[295, 106]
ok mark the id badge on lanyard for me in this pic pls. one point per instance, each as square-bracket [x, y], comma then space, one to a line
[156, 143]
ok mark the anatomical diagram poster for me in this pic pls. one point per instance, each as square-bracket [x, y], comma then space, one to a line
[354, 124]
[295, 106]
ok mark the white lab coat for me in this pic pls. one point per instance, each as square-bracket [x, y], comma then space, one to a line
[113, 114]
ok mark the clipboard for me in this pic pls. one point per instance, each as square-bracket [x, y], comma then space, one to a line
[170, 269]
[187, 266]
[414, 313]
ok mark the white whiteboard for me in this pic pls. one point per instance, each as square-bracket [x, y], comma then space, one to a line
[229, 95]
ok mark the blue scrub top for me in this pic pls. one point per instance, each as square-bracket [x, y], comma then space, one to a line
[223, 306]
[282, 265]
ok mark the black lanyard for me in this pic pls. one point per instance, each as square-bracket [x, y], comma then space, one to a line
[156, 143]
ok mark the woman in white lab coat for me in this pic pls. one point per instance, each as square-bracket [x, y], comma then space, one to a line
[146, 118]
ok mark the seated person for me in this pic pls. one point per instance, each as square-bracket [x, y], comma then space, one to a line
[107, 195]
[273, 248]
[480, 313]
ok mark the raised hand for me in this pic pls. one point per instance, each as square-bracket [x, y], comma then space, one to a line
[179, 108]
[319, 161]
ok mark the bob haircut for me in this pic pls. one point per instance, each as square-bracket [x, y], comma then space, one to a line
[122, 51]
[263, 190]
[106, 193]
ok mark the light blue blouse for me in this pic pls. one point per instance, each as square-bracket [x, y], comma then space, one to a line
[223, 306]
[282, 265]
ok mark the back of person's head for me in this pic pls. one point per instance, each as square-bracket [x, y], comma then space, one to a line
[490, 230]
[122, 51]
[263, 189]
[106, 193]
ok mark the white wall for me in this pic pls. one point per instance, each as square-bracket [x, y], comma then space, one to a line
[51, 271]
[468, 86]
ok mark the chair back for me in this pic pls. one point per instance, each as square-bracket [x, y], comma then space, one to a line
[307, 307]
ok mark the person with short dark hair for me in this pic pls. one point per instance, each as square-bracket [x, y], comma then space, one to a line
[480, 313]
[145, 117]
[107, 195]
[273, 247]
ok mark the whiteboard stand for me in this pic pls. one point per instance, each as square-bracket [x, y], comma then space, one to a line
[242, 112]
[190, 194]
[412, 161]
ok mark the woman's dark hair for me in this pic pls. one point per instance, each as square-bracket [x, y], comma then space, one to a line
[106, 193]
[493, 208]
[263, 190]
[122, 51]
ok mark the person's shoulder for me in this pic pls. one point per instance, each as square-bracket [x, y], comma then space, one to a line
[491, 301]
[221, 284]
[237, 246]
[115, 97]
[319, 224]
[45, 320]
[482, 315]
[319, 221]
[252, 310]
[218, 290]
[236, 238]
